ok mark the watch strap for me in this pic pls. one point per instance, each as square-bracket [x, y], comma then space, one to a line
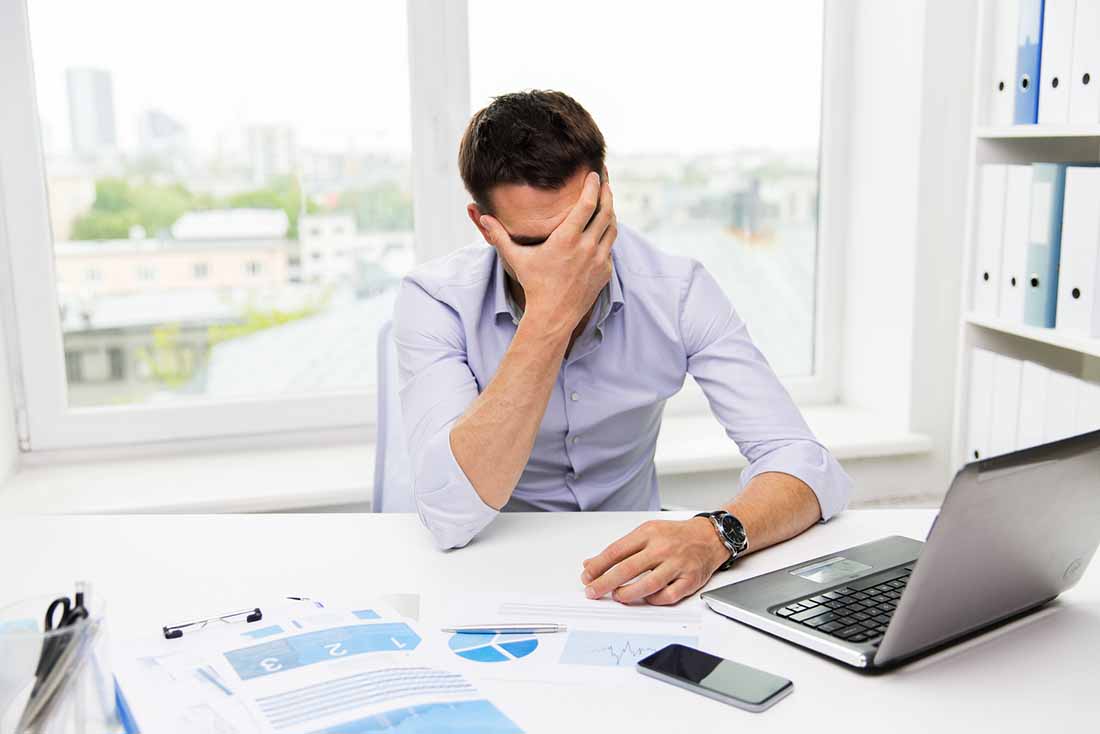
[735, 543]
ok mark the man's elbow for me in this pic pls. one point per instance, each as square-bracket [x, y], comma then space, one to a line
[447, 535]
[453, 518]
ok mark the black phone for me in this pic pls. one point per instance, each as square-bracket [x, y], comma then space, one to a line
[715, 677]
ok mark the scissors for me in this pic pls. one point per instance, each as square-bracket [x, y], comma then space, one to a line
[54, 645]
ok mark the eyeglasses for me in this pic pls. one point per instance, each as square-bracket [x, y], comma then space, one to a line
[243, 616]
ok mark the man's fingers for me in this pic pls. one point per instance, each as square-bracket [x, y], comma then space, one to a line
[624, 547]
[603, 247]
[647, 585]
[672, 593]
[582, 210]
[604, 216]
[497, 234]
[501, 240]
[620, 574]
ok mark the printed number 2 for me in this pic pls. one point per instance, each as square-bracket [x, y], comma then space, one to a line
[271, 664]
[335, 650]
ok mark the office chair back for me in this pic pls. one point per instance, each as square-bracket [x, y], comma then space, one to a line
[393, 487]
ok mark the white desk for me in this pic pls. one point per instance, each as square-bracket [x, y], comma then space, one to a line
[1038, 674]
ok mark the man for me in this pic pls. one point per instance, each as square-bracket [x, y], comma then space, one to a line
[535, 370]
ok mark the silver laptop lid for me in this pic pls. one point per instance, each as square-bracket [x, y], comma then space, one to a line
[1014, 531]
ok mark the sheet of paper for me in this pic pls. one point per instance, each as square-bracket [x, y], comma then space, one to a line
[352, 676]
[303, 668]
[170, 685]
[602, 635]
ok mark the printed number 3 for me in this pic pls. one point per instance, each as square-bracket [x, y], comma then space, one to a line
[335, 650]
[271, 664]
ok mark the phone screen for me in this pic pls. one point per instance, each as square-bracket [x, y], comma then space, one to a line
[715, 674]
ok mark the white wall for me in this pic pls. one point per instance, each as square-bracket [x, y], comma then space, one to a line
[9, 447]
[884, 169]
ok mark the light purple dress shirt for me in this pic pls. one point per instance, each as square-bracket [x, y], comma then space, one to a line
[660, 318]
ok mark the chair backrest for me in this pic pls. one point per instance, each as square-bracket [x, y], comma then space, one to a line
[393, 486]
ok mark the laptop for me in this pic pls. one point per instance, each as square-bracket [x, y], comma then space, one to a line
[1014, 531]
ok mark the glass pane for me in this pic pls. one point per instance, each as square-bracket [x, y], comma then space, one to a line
[711, 113]
[229, 189]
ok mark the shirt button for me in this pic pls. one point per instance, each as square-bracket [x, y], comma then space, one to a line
[575, 439]
[572, 475]
[574, 397]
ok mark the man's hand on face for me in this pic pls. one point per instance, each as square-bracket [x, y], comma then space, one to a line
[562, 277]
[679, 556]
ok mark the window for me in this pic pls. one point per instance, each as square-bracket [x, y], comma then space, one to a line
[153, 154]
[712, 119]
[221, 235]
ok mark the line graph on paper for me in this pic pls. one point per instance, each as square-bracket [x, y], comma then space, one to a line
[614, 649]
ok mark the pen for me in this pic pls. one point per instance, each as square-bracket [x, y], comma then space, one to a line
[506, 629]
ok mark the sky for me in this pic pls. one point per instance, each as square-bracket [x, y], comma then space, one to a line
[692, 76]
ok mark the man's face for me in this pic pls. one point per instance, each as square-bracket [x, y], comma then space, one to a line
[530, 214]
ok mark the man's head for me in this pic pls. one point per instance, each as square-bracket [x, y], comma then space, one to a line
[524, 158]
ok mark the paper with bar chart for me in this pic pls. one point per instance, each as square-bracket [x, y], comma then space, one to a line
[600, 634]
[360, 673]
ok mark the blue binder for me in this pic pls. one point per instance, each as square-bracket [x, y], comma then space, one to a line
[1044, 243]
[1029, 35]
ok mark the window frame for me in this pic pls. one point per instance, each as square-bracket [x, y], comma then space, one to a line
[440, 105]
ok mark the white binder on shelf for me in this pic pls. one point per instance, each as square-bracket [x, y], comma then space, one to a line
[1088, 407]
[1005, 414]
[1033, 400]
[981, 404]
[987, 260]
[1060, 420]
[1014, 243]
[1084, 91]
[1057, 58]
[1002, 89]
[1079, 271]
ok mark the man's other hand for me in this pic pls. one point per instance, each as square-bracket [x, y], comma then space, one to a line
[562, 277]
[666, 560]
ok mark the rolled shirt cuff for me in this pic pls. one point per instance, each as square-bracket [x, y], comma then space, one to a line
[446, 501]
[813, 464]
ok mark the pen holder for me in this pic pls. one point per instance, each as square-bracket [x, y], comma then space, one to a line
[74, 691]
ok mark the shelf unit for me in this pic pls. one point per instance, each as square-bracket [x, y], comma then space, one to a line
[1050, 337]
[1015, 132]
[1052, 348]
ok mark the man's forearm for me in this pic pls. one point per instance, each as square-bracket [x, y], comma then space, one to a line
[494, 437]
[774, 507]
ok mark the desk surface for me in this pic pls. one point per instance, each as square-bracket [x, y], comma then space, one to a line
[1032, 674]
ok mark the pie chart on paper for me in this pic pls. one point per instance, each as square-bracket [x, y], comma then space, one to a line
[492, 648]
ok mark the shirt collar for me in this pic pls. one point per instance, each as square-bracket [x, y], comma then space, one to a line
[503, 303]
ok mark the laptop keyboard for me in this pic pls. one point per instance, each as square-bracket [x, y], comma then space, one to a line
[858, 612]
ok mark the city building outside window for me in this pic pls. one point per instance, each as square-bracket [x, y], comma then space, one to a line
[224, 237]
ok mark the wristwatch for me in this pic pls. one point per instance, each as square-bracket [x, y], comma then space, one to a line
[731, 532]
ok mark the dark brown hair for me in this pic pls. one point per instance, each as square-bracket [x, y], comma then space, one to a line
[539, 138]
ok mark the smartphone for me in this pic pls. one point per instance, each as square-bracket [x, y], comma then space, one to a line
[715, 677]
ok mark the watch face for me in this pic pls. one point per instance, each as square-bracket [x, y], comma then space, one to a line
[732, 529]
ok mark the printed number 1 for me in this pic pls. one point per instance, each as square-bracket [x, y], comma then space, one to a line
[271, 664]
[335, 650]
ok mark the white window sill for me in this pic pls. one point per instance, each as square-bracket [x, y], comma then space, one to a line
[318, 477]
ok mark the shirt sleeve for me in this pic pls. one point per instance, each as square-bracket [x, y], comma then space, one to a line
[437, 387]
[749, 400]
